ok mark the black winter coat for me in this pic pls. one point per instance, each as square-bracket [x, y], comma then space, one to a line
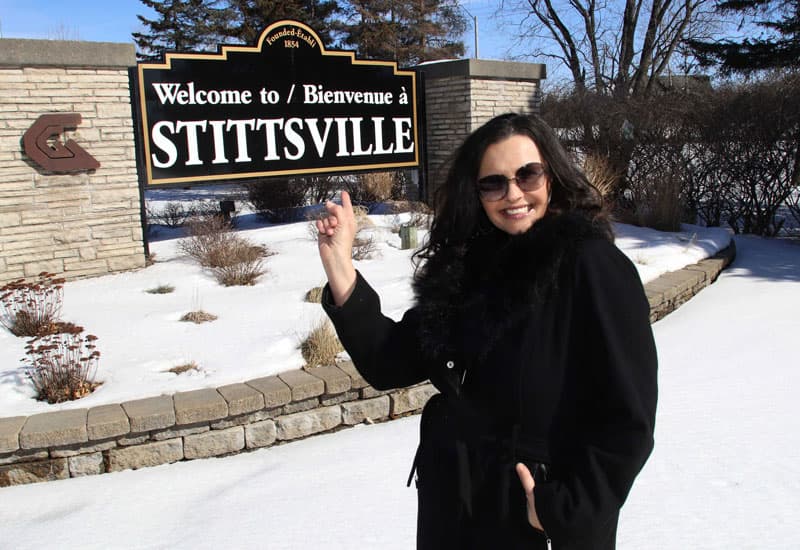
[541, 348]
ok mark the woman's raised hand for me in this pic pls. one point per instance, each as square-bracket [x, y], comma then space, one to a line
[337, 232]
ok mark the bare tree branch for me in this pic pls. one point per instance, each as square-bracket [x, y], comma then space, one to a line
[613, 47]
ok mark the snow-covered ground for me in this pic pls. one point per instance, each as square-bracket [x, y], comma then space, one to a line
[725, 473]
[259, 327]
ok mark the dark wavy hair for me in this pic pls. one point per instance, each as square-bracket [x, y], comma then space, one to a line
[459, 215]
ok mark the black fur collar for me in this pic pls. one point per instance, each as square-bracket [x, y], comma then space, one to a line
[468, 296]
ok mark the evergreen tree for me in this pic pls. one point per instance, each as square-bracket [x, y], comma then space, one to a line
[435, 28]
[778, 47]
[407, 31]
[197, 25]
[243, 20]
[373, 29]
[182, 25]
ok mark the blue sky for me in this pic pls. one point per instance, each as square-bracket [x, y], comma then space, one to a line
[93, 20]
[115, 20]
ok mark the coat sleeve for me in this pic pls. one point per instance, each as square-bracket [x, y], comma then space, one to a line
[384, 351]
[613, 414]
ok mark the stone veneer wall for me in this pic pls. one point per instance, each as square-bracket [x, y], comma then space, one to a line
[79, 224]
[238, 417]
[461, 95]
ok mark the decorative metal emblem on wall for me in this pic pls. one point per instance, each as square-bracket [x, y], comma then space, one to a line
[42, 143]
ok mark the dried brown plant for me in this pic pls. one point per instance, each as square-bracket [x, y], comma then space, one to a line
[321, 345]
[62, 366]
[33, 308]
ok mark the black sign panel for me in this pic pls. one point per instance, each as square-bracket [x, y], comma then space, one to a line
[285, 106]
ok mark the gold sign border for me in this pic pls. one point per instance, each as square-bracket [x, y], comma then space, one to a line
[223, 56]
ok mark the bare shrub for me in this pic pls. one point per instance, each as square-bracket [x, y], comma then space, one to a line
[793, 204]
[240, 263]
[364, 247]
[622, 132]
[198, 317]
[658, 168]
[376, 186]
[208, 236]
[151, 216]
[321, 188]
[321, 345]
[710, 182]
[173, 214]
[749, 167]
[657, 177]
[243, 273]
[663, 209]
[276, 200]
[768, 172]
[212, 243]
[62, 366]
[32, 308]
[205, 208]
[232, 259]
[420, 215]
[311, 230]
[731, 154]
[238, 250]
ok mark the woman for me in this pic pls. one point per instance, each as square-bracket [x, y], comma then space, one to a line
[534, 328]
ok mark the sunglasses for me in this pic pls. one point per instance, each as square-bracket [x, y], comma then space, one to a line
[528, 178]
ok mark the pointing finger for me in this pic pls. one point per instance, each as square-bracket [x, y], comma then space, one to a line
[346, 204]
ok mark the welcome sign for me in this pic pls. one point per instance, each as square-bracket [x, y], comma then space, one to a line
[286, 106]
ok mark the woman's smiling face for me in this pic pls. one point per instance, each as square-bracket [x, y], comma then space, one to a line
[518, 210]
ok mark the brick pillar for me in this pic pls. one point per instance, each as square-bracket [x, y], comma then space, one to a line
[462, 94]
[76, 224]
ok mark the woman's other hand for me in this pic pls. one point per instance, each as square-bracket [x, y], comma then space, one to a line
[528, 483]
[337, 232]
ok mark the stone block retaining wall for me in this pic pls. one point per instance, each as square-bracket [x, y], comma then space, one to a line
[195, 424]
[671, 290]
[240, 417]
[74, 224]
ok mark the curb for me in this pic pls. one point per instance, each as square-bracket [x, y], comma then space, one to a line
[241, 417]
[673, 289]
